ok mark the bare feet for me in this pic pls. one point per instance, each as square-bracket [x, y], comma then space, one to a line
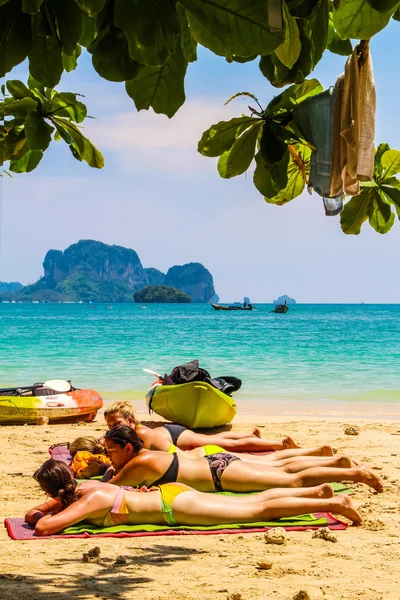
[346, 508]
[256, 432]
[364, 475]
[289, 443]
[343, 461]
[325, 490]
[326, 450]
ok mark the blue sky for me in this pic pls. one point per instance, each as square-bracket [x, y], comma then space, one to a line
[160, 197]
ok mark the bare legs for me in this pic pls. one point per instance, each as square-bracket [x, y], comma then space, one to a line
[191, 508]
[232, 441]
[245, 477]
[280, 455]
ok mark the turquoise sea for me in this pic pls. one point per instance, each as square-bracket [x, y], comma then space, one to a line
[316, 355]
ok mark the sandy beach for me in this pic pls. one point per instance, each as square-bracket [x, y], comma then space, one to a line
[362, 564]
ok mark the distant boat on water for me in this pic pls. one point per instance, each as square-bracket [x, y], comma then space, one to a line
[246, 305]
[281, 308]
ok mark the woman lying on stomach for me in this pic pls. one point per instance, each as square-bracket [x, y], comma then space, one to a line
[171, 504]
[171, 437]
[134, 466]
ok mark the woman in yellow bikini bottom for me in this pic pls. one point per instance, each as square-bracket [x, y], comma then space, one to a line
[173, 503]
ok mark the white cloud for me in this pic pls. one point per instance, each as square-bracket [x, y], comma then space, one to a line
[154, 141]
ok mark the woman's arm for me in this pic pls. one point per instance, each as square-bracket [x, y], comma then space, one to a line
[53, 505]
[78, 511]
[152, 440]
[135, 473]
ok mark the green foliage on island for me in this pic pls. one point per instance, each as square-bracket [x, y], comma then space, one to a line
[193, 279]
[161, 294]
[9, 291]
[91, 271]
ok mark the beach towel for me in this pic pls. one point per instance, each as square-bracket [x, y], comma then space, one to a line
[18, 529]
[60, 452]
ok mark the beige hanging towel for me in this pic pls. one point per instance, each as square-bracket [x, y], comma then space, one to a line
[354, 126]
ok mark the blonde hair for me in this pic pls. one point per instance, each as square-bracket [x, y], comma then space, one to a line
[124, 408]
[89, 444]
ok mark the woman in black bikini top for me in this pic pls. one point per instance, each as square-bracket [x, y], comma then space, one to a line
[121, 413]
[135, 466]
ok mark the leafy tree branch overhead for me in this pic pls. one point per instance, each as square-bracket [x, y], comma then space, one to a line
[148, 44]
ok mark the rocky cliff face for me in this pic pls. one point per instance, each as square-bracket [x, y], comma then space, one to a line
[95, 272]
[13, 287]
[89, 271]
[193, 279]
[99, 262]
[154, 276]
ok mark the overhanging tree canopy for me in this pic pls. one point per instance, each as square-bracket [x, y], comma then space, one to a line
[148, 44]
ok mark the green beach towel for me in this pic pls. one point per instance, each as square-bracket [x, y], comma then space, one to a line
[299, 521]
[307, 520]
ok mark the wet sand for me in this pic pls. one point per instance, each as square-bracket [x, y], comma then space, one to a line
[364, 563]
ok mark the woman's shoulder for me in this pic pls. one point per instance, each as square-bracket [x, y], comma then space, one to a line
[147, 457]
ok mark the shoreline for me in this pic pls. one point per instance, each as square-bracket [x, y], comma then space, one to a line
[289, 409]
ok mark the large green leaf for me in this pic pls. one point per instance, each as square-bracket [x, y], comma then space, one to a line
[31, 6]
[80, 146]
[161, 88]
[65, 104]
[390, 161]
[356, 212]
[279, 75]
[35, 86]
[393, 196]
[220, 137]
[45, 58]
[240, 27]
[289, 51]
[27, 163]
[111, 57]
[188, 43]
[18, 90]
[238, 159]
[380, 213]
[207, 38]
[356, 19]
[272, 148]
[271, 180]
[13, 144]
[296, 182]
[396, 15]
[15, 36]
[151, 28]
[70, 62]
[37, 131]
[316, 29]
[378, 168]
[292, 96]
[18, 108]
[384, 6]
[89, 31]
[301, 8]
[335, 44]
[69, 24]
[91, 7]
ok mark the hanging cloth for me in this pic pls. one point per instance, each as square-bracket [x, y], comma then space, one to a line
[354, 125]
[315, 119]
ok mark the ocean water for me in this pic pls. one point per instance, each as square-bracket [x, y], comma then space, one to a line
[315, 354]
